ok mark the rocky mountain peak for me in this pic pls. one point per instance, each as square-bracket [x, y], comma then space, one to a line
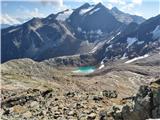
[85, 63]
[51, 17]
[125, 17]
[86, 5]
[116, 10]
[86, 27]
[99, 5]
[33, 21]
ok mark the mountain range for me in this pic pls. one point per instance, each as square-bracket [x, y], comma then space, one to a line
[69, 32]
[90, 34]
[89, 63]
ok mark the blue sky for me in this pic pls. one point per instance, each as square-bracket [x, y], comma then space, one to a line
[20, 9]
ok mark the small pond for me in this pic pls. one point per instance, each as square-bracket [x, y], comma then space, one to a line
[85, 69]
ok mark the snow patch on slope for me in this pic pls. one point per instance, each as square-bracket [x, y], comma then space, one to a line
[123, 57]
[137, 58]
[83, 11]
[118, 33]
[79, 29]
[140, 42]
[36, 26]
[6, 19]
[96, 47]
[114, 37]
[156, 32]
[130, 41]
[13, 30]
[96, 32]
[16, 43]
[102, 64]
[93, 11]
[63, 16]
[66, 30]
[66, 56]
[99, 32]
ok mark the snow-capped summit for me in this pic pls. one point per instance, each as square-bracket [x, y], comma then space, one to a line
[92, 18]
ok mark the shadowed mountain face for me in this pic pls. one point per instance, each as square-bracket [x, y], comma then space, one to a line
[92, 30]
[136, 40]
[49, 37]
[91, 22]
[133, 42]
[125, 17]
[38, 39]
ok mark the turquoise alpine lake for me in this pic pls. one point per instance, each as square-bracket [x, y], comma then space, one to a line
[85, 69]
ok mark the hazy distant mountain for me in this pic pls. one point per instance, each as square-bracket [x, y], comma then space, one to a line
[125, 17]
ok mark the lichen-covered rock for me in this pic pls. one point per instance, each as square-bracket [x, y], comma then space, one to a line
[155, 86]
[47, 104]
[110, 94]
[145, 105]
[103, 115]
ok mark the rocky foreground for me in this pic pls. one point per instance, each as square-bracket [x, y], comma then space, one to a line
[34, 104]
[38, 91]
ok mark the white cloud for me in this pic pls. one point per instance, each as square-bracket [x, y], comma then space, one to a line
[137, 2]
[109, 6]
[120, 2]
[97, 1]
[124, 4]
[58, 3]
[34, 13]
[6, 19]
[85, 1]
[131, 5]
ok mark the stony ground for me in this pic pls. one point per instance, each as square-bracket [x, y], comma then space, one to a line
[35, 104]
[47, 104]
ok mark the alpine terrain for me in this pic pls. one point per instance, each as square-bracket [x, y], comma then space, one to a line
[88, 63]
